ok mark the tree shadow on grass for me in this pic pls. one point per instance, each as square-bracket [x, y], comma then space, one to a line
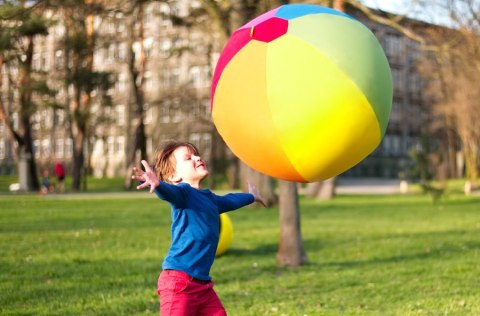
[265, 250]
[448, 246]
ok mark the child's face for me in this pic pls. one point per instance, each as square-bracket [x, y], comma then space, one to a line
[189, 167]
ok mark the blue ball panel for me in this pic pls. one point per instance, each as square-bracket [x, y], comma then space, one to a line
[292, 11]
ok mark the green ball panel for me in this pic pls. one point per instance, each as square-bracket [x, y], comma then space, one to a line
[355, 50]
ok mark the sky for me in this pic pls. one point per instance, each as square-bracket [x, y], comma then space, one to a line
[430, 12]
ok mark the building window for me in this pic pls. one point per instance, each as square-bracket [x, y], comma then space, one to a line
[175, 77]
[175, 9]
[3, 151]
[414, 83]
[59, 30]
[120, 115]
[395, 115]
[148, 110]
[165, 111]
[59, 59]
[122, 51]
[393, 45]
[46, 148]
[137, 49]
[397, 145]
[165, 14]
[147, 19]
[147, 46]
[178, 43]
[36, 148]
[165, 78]
[195, 76]
[59, 148]
[203, 141]
[120, 145]
[69, 148]
[148, 82]
[149, 146]
[177, 111]
[46, 119]
[111, 53]
[36, 62]
[398, 81]
[44, 61]
[36, 121]
[109, 27]
[111, 145]
[165, 47]
[205, 106]
[59, 117]
[201, 109]
[121, 82]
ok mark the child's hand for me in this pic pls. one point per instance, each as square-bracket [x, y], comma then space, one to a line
[258, 198]
[148, 177]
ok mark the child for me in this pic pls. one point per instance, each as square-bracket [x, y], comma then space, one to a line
[60, 175]
[46, 185]
[184, 286]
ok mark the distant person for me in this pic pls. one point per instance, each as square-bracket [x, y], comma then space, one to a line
[185, 286]
[60, 175]
[46, 186]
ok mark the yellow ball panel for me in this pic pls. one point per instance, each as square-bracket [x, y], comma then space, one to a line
[242, 116]
[333, 127]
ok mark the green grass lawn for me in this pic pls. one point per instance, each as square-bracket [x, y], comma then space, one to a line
[369, 255]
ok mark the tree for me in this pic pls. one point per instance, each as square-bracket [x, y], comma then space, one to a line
[450, 67]
[79, 45]
[453, 72]
[18, 28]
[136, 70]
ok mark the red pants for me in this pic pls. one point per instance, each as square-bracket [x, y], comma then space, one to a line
[180, 294]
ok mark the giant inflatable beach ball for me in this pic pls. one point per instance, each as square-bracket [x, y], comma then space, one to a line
[302, 93]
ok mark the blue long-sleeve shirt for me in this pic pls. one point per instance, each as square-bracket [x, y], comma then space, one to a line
[195, 225]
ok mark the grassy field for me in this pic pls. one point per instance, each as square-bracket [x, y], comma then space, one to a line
[89, 254]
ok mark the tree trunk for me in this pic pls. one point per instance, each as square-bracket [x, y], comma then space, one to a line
[324, 190]
[470, 149]
[25, 114]
[138, 143]
[263, 183]
[82, 102]
[290, 250]
[78, 157]
[33, 183]
[25, 166]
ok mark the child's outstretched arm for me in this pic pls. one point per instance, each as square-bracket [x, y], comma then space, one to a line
[148, 177]
[252, 189]
[164, 191]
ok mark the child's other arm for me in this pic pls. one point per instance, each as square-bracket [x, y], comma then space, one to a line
[233, 201]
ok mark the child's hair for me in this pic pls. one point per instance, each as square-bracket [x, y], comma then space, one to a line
[165, 163]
